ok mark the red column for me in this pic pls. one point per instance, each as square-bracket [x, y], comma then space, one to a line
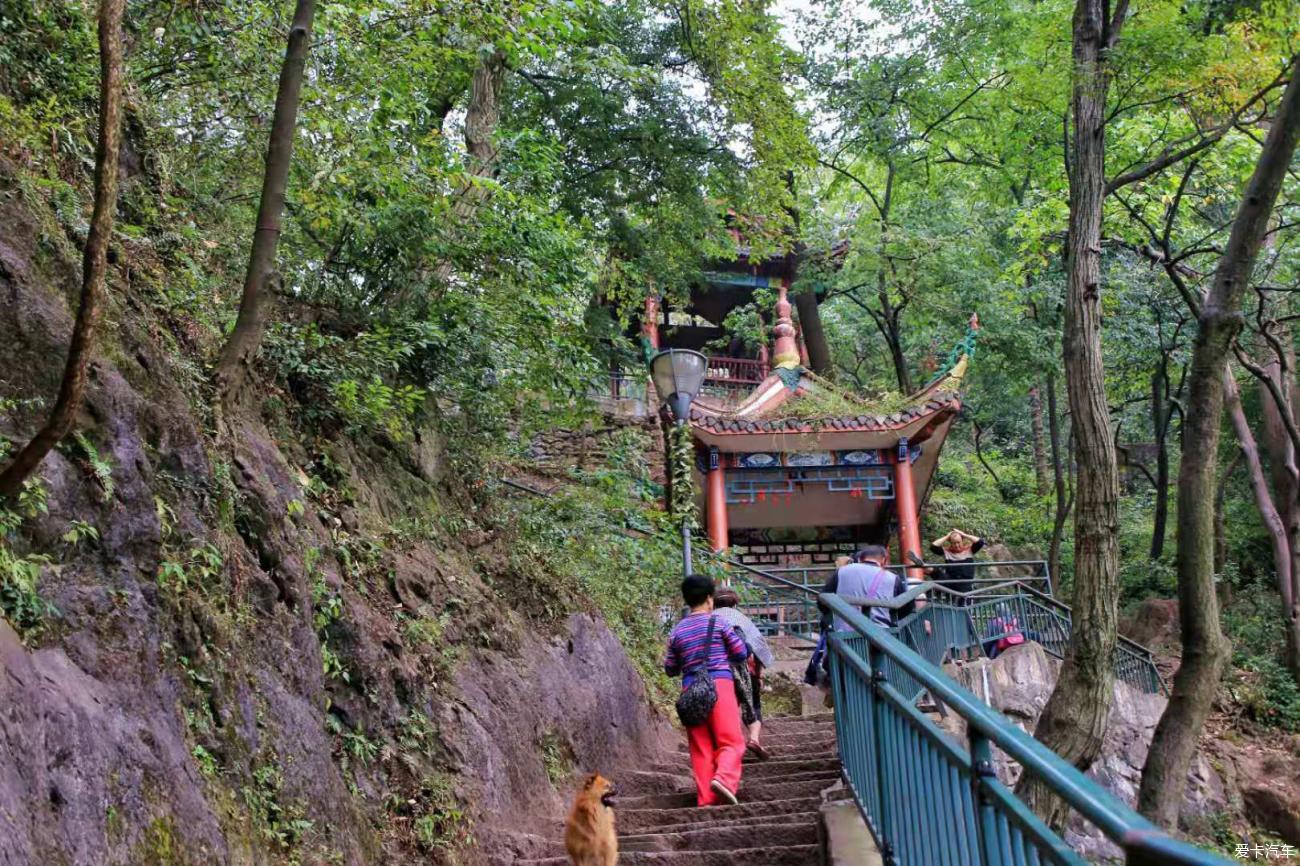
[909, 517]
[649, 322]
[716, 493]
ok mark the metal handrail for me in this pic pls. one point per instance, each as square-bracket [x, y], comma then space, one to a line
[1042, 573]
[1134, 663]
[926, 800]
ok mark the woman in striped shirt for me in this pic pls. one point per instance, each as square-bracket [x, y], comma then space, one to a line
[717, 746]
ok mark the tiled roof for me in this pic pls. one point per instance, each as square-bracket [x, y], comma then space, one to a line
[727, 423]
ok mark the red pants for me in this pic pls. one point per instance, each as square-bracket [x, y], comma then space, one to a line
[717, 746]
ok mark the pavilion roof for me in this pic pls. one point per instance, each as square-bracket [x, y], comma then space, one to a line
[797, 401]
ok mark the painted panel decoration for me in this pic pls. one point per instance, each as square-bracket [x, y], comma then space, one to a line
[749, 488]
[759, 460]
[778, 487]
[810, 458]
[860, 458]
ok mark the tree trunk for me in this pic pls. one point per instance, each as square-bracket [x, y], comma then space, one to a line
[481, 118]
[1040, 446]
[1063, 500]
[893, 336]
[1284, 547]
[1205, 649]
[814, 335]
[242, 346]
[1160, 416]
[1220, 528]
[94, 260]
[1073, 722]
[1286, 488]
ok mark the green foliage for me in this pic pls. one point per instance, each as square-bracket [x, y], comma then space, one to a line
[327, 609]
[1266, 692]
[207, 762]
[441, 823]
[20, 570]
[199, 567]
[966, 496]
[100, 469]
[601, 542]
[78, 531]
[557, 757]
[282, 825]
[1259, 682]
[682, 469]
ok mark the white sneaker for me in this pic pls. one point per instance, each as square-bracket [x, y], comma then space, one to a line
[724, 792]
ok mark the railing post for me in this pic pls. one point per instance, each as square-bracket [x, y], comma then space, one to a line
[983, 768]
[879, 709]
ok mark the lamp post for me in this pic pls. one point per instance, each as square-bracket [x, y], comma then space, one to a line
[678, 375]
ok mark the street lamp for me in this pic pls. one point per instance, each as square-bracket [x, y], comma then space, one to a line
[678, 375]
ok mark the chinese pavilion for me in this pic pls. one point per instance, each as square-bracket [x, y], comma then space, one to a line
[792, 469]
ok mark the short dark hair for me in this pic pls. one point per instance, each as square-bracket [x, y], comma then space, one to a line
[871, 551]
[697, 589]
[726, 598]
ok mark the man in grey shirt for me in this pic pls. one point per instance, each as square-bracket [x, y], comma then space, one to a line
[866, 577]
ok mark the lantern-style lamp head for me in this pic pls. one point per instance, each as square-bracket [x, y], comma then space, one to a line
[678, 376]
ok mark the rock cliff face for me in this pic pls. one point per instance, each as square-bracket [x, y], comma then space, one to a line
[278, 649]
[1018, 683]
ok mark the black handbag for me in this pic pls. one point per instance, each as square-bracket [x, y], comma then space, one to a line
[695, 703]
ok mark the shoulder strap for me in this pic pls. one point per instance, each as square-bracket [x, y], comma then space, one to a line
[703, 662]
[875, 580]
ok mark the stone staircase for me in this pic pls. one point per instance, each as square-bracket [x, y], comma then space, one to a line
[778, 821]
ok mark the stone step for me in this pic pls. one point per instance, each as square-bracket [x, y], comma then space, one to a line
[778, 766]
[814, 719]
[788, 855]
[706, 822]
[723, 838]
[638, 784]
[749, 793]
[638, 820]
[787, 747]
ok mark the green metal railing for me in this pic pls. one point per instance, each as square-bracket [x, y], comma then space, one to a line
[954, 624]
[930, 801]
[987, 572]
[950, 624]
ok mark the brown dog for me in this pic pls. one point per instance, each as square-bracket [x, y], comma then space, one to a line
[589, 835]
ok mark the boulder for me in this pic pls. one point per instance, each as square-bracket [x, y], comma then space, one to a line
[1018, 684]
[1154, 625]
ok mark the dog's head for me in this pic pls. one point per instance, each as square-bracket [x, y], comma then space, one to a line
[601, 788]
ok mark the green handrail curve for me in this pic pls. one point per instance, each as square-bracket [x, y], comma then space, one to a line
[929, 800]
[951, 624]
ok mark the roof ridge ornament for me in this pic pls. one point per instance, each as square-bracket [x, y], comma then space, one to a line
[786, 355]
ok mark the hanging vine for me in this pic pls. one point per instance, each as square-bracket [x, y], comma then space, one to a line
[682, 454]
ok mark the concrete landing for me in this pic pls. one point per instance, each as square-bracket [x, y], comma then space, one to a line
[846, 837]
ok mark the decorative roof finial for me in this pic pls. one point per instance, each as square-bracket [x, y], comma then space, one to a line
[786, 350]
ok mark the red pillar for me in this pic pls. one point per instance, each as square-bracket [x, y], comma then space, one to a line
[909, 516]
[649, 322]
[716, 493]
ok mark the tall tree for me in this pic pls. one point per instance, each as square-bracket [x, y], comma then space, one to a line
[244, 341]
[1074, 721]
[1039, 441]
[481, 118]
[94, 261]
[1205, 650]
